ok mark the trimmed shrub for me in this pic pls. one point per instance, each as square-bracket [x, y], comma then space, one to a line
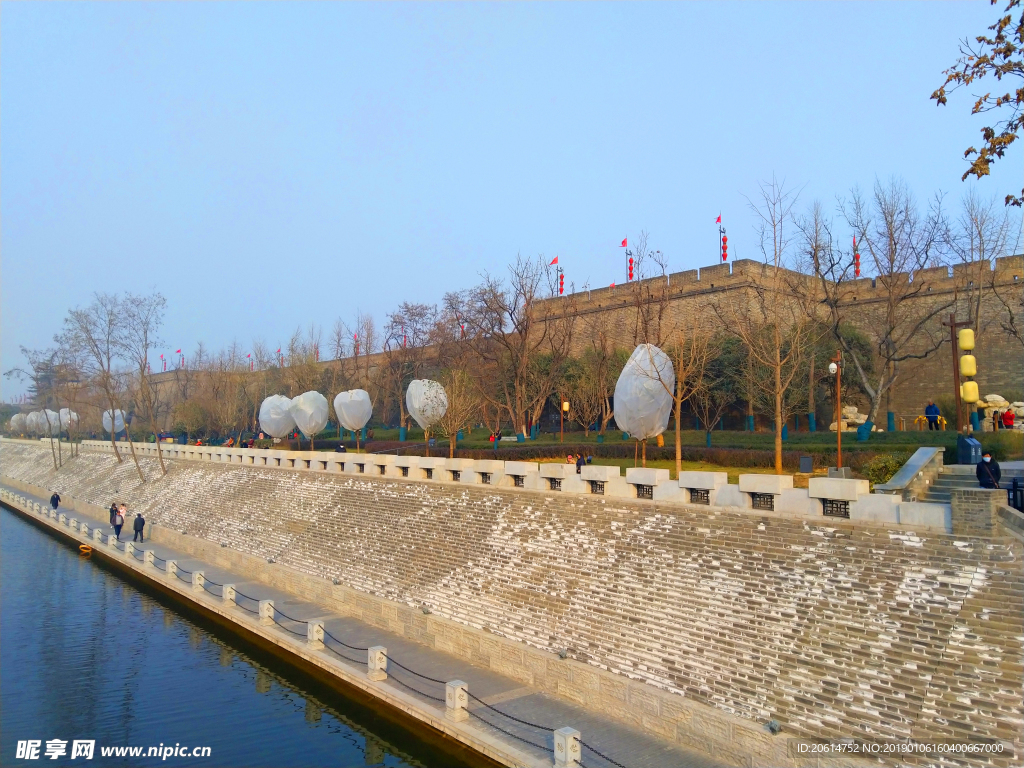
[880, 469]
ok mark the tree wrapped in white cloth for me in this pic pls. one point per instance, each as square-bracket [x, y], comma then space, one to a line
[643, 402]
[309, 410]
[49, 422]
[68, 419]
[426, 402]
[275, 416]
[18, 423]
[353, 409]
[113, 422]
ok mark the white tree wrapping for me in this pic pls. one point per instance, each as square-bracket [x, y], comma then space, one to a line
[68, 418]
[18, 423]
[32, 423]
[275, 418]
[353, 408]
[49, 422]
[642, 400]
[118, 421]
[309, 410]
[426, 402]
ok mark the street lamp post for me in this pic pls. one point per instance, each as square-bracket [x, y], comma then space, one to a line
[836, 367]
[561, 425]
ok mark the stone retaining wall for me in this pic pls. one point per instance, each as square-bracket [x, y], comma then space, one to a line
[727, 619]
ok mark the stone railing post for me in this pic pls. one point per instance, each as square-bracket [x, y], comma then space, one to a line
[315, 635]
[148, 556]
[63, 519]
[456, 697]
[171, 566]
[198, 580]
[73, 524]
[377, 663]
[266, 612]
[112, 541]
[129, 550]
[228, 595]
[97, 534]
[567, 748]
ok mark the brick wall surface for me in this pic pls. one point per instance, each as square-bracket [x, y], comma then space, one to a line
[834, 630]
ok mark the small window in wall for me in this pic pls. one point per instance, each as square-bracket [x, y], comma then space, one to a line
[700, 496]
[835, 508]
[519, 481]
[597, 487]
[763, 501]
[430, 473]
[405, 471]
[645, 491]
[383, 468]
[555, 483]
[456, 475]
[485, 478]
[361, 468]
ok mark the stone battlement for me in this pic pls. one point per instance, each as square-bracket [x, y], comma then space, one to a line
[834, 629]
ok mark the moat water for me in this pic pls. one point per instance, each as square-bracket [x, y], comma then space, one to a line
[87, 655]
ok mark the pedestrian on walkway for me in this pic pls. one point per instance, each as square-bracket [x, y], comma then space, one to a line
[119, 521]
[932, 413]
[580, 463]
[113, 512]
[137, 525]
[55, 501]
[988, 471]
[1008, 418]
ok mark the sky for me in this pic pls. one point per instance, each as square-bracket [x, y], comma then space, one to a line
[267, 166]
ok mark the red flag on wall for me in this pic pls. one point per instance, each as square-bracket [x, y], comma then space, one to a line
[623, 243]
[553, 262]
[177, 351]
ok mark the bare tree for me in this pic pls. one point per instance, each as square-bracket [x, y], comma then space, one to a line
[97, 333]
[899, 241]
[523, 351]
[463, 405]
[142, 317]
[771, 322]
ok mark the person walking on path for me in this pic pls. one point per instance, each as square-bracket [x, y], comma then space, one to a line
[55, 501]
[118, 522]
[932, 413]
[1008, 418]
[137, 525]
[988, 471]
[580, 463]
[113, 512]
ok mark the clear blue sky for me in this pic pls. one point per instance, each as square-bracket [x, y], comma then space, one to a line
[268, 165]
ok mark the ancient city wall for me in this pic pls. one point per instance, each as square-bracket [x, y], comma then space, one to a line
[613, 312]
[832, 629]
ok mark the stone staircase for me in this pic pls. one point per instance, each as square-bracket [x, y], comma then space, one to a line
[962, 476]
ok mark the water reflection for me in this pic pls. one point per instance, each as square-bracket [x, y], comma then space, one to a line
[86, 655]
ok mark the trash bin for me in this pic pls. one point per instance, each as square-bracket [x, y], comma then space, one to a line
[968, 450]
[806, 465]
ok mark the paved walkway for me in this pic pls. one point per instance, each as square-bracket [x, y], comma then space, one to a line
[625, 746]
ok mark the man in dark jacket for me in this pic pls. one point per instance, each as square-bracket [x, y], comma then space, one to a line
[932, 413]
[137, 526]
[113, 512]
[988, 471]
[55, 501]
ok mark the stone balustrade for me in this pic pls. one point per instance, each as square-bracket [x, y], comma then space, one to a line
[847, 499]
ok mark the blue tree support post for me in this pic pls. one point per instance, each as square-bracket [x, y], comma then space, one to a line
[890, 421]
[403, 433]
[811, 425]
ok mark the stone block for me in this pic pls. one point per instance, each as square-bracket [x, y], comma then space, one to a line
[670, 492]
[646, 476]
[876, 507]
[380, 464]
[837, 488]
[494, 471]
[456, 699]
[600, 473]
[377, 663]
[521, 467]
[796, 501]
[557, 470]
[938, 516]
[731, 496]
[567, 748]
[707, 481]
[773, 484]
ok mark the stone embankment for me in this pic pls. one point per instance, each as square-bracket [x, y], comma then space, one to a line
[698, 623]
